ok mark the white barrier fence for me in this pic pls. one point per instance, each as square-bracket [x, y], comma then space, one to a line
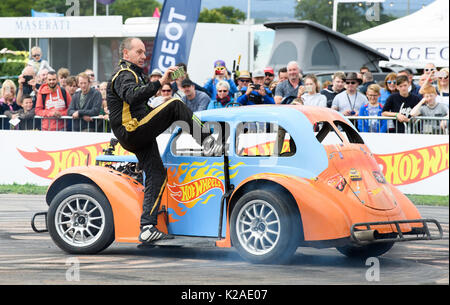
[416, 164]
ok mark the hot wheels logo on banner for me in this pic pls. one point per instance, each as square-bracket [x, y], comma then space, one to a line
[66, 158]
[414, 165]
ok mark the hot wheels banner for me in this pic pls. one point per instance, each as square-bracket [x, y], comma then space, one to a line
[175, 32]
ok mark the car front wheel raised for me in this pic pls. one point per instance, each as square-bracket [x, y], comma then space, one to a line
[80, 220]
[264, 227]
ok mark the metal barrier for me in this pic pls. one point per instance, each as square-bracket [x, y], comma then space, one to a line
[417, 125]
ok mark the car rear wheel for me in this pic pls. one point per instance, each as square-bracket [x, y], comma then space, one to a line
[265, 228]
[80, 220]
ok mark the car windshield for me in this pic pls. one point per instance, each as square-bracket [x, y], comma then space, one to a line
[327, 135]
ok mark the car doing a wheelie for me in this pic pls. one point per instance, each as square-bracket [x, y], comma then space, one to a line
[279, 178]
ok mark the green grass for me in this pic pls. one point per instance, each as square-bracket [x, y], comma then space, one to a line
[32, 189]
[429, 200]
[28, 189]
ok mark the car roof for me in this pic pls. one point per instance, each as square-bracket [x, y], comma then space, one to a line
[288, 114]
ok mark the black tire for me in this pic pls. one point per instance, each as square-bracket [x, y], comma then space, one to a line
[254, 238]
[80, 220]
[370, 250]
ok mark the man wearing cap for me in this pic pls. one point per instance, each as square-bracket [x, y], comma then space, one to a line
[194, 99]
[220, 73]
[349, 102]
[269, 75]
[243, 80]
[155, 75]
[256, 93]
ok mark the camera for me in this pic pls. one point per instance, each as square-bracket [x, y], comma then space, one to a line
[352, 112]
[256, 86]
[27, 78]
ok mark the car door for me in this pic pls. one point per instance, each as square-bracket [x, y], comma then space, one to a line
[195, 186]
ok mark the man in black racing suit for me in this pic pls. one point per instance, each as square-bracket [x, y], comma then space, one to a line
[136, 126]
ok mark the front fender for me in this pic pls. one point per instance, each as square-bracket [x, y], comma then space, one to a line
[124, 194]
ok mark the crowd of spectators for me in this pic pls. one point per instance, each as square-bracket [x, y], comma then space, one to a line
[50, 95]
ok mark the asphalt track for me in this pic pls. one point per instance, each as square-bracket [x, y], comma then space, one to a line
[30, 258]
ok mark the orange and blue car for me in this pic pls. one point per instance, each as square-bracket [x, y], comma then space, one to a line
[281, 177]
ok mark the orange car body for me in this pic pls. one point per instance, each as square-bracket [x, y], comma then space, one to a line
[346, 189]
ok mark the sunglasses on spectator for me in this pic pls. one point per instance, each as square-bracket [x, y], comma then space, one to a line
[91, 74]
[269, 74]
[167, 90]
[36, 55]
[446, 77]
[352, 83]
[391, 82]
[245, 80]
[222, 90]
[429, 70]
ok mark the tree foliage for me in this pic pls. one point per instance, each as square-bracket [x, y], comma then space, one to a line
[351, 16]
[224, 14]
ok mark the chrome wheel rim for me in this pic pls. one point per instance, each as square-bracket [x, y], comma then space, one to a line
[80, 220]
[258, 227]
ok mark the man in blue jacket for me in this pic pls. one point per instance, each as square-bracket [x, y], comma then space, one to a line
[256, 93]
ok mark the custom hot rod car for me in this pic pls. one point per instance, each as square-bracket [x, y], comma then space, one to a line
[281, 177]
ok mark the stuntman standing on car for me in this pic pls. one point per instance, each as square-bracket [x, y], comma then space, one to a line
[136, 126]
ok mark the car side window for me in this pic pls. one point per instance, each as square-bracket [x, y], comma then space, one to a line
[263, 139]
[184, 143]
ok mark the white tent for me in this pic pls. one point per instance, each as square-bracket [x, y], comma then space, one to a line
[413, 40]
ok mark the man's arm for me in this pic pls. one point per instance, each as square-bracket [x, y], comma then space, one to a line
[128, 89]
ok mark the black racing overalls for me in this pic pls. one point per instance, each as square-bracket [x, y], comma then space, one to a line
[136, 126]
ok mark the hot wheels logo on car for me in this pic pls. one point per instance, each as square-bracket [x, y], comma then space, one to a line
[187, 192]
[192, 183]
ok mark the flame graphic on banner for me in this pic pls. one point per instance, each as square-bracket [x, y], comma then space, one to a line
[191, 182]
[414, 165]
[66, 158]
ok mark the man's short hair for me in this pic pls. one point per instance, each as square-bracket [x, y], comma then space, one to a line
[339, 74]
[71, 80]
[27, 96]
[401, 79]
[63, 72]
[126, 44]
[407, 71]
[83, 75]
[428, 89]
[282, 70]
[368, 76]
[51, 73]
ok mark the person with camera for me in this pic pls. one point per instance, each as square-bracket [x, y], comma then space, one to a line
[349, 102]
[256, 93]
[27, 85]
[136, 126]
[220, 73]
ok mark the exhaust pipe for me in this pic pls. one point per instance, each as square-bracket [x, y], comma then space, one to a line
[366, 235]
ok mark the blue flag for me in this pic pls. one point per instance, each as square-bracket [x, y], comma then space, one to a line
[175, 32]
